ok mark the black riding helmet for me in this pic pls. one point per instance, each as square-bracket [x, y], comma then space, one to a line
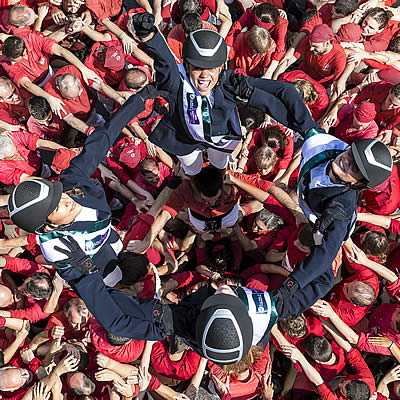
[205, 48]
[32, 201]
[373, 159]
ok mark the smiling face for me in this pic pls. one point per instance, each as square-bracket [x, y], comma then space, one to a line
[345, 168]
[204, 80]
[391, 102]
[66, 211]
[370, 26]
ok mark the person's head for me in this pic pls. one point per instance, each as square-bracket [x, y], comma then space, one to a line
[77, 313]
[190, 6]
[20, 16]
[6, 296]
[13, 378]
[376, 244]
[150, 171]
[254, 354]
[204, 53]
[343, 8]
[374, 21]
[9, 93]
[68, 85]
[295, 326]
[354, 389]
[306, 90]
[318, 348]
[359, 293]
[367, 164]
[37, 205]
[116, 340]
[134, 267]
[135, 79]
[267, 13]
[220, 258]
[363, 115]
[266, 221]
[320, 40]
[392, 100]
[265, 159]
[274, 137]
[40, 109]
[394, 45]
[176, 345]
[80, 384]
[259, 40]
[38, 286]
[305, 239]
[209, 183]
[250, 117]
[224, 330]
[71, 6]
[7, 148]
[191, 22]
[14, 48]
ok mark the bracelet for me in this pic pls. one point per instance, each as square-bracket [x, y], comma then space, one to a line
[122, 35]
[145, 139]
[391, 344]
[296, 213]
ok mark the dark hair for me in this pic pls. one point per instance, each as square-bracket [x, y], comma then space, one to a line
[274, 137]
[39, 285]
[267, 13]
[317, 347]
[394, 45]
[345, 7]
[395, 90]
[13, 47]
[220, 259]
[376, 244]
[305, 236]
[116, 340]
[364, 294]
[83, 360]
[250, 117]
[209, 181]
[146, 163]
[379, 15]
[134, 78]
[38, 107]
[87, 384]
[295, 326]
[134, 267]
[176, 344]
[357, 390]
[73, 302]
[2, 364]
[191, 22]
[190, 6]
[269, 219]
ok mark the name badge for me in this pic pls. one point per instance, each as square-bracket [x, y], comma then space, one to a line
[192, 105]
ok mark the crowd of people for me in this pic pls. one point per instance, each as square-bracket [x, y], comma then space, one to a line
[199, 199]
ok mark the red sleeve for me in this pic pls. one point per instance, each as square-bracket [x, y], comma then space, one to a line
[364, 345]
[355, 359]
[175, 202]
[2, 321]
[368, 92]
[254, 181]
[249, 272]
[301, 48]
[279, 243]
[280, 39]
[32, 239]
[21, 265]
[210, 4]
[245, 21]
[187, 278]
[118, 170]
[154, 383]
[378, 42]
[393, 289]
[326, 392]
[33, 313]
[25, 139]
[10, 175]
[263, 241]
[46, 44]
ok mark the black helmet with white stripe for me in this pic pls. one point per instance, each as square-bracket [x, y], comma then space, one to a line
[373, 159]
[32, 201]
[205, 48]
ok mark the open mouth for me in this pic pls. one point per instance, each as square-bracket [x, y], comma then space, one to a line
[203, 85]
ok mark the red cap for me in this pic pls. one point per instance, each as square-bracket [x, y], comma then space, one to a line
[321, 33]
[139, 228]
[130, 155]
[350, 32]
[115, 58]
[365, 112]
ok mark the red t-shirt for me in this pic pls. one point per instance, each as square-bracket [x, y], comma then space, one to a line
[36, 65]
[165, 173]
[6, 27]
[325, 68]
[82, 106]
[379, 41]
[126, 353]
[16, 114]
[181, 370]
[323, 16]
[54, 131]
[104, 9]
[59, 319]
[208, 7]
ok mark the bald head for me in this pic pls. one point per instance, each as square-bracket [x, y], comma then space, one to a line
[13, 378]
[20, 16]
[135, 79]
[6, 296]
[69, 85]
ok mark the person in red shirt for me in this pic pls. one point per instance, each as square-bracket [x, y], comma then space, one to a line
[356, 122]
[190, 22]
[267, 16]
[26, 61]
[13, 105]
[251, 52]
[17, 20]
[324, 58]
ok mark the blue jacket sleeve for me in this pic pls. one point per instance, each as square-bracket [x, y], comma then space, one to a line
[118, 312]
[98, 143]
[282, 102]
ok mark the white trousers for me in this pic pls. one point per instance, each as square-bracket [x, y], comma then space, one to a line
[193, 163]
